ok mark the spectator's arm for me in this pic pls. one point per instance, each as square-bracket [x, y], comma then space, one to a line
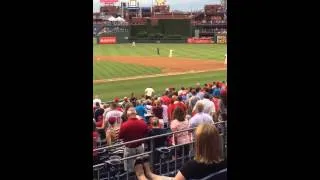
[195, 107]
[108, 138]
[214, 108]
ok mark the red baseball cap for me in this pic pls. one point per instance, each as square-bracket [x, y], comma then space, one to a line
[116, 99]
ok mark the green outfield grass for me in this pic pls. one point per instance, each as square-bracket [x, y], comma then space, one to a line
[192, 51]
[108, 91]
[107, 70]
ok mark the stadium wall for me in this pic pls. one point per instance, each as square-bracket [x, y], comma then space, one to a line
[166, 27]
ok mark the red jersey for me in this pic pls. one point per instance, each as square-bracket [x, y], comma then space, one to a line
[173, 106]
[133, 129]
[166, 100]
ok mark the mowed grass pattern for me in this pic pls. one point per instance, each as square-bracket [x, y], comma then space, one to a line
[192, 51]
[108, 91]
[108, 69]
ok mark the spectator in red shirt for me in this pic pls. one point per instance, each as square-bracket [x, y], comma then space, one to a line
[131, 130]
[170, 107]
[165, 99]
[177, 103]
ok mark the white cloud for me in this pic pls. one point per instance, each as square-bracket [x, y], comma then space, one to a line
[174, 4]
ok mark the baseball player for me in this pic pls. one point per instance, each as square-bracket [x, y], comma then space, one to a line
[158, 51]
[170, 54]
[225, 59]
[133, 44]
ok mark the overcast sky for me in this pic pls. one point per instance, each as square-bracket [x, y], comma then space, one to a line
[174, 4]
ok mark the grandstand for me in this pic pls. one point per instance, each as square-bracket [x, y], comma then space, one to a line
[211, 22]
[109, 164]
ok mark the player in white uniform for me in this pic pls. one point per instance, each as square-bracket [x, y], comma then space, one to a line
[225, 59]
[133, 44]
[170, 54]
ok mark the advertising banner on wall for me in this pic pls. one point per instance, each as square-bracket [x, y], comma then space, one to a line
[108, 1]
[107, 40]
[200, 40]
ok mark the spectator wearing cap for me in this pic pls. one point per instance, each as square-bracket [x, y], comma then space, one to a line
[114, 112]
[130, 130]
[112, 132]
[209, 107]
[116, 100]
[200, 117]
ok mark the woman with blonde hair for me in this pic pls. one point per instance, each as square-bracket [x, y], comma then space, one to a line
[207, 158]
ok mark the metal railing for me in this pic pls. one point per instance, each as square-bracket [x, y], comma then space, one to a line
[152, 150]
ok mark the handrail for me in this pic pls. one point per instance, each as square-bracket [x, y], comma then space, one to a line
[98, 167]
[149, 138]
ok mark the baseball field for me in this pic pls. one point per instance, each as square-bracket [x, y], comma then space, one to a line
[119, 69]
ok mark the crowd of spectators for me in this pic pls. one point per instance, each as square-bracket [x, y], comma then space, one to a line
[175, 110]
